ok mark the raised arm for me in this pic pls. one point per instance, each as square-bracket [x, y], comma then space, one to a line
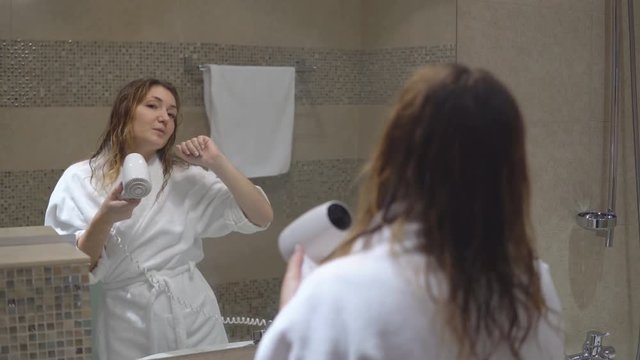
[202, 151]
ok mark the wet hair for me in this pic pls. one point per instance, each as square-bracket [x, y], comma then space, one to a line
[117, 139]
[452, 159]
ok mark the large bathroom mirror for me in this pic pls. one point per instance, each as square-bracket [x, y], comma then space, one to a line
[62, 62]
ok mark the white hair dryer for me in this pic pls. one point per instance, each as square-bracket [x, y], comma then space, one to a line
[135, 177]
[319, 231]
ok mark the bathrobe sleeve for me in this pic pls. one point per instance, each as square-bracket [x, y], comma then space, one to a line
[62, 212]
[218, 210]
[67, 211]
[351, 309]
[335, 315]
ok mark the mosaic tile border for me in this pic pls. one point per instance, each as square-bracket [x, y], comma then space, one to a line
[386, 70]
[251, 298]
[45, 312]
[24, 196]
[85, 73]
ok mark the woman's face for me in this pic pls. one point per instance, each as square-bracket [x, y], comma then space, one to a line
[154, 121]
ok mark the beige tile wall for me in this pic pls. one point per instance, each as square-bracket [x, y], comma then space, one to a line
[5, 19]
[291, 23]
[242, 22]
[552, 55]
[370, 124]
[48, 138]
[388, 24]
[306, 23]
[227, 258]
[95, 20]
[396, 24]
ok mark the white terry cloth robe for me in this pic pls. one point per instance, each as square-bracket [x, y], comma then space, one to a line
[373, 305]
[172, 306]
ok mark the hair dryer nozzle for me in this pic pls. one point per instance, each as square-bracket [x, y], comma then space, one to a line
[135, 177]
[320, 231]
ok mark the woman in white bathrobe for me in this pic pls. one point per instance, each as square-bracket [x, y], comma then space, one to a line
[144, 251]
[440, 264]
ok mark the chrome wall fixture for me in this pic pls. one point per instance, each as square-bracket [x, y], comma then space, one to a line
[634, 118]
[593, 348]
[604, 222]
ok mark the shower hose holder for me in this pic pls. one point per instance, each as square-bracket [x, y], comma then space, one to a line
[602, 222]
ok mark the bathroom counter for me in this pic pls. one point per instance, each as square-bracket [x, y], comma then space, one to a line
[243, 350]
[37, 245]
[41, 254]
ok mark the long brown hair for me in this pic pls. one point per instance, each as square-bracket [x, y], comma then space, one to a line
[452, 159]
[117, 138]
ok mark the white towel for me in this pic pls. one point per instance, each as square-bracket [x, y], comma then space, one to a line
[250, 111]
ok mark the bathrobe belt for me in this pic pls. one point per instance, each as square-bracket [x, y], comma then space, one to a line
[161, 282]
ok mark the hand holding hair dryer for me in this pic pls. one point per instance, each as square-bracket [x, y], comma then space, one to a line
[135, 177]
[319, 231]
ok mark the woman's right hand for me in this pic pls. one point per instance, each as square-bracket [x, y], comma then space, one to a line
[114, 208]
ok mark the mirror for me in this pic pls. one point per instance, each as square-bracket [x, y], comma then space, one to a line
[63, 62]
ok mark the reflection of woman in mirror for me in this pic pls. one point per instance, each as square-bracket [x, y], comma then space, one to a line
[440, 264]
[144, 252]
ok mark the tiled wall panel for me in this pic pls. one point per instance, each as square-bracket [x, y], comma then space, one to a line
[24, 196]
[257, 299]
[73, 73]
[45, 312]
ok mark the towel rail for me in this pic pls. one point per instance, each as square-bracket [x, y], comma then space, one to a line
[299, 69]
[190, 66]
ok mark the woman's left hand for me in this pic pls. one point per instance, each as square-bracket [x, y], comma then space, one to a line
[292, 277]
[200, 150]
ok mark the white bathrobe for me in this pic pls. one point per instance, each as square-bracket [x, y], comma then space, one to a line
[373, 305]
[171, 306]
